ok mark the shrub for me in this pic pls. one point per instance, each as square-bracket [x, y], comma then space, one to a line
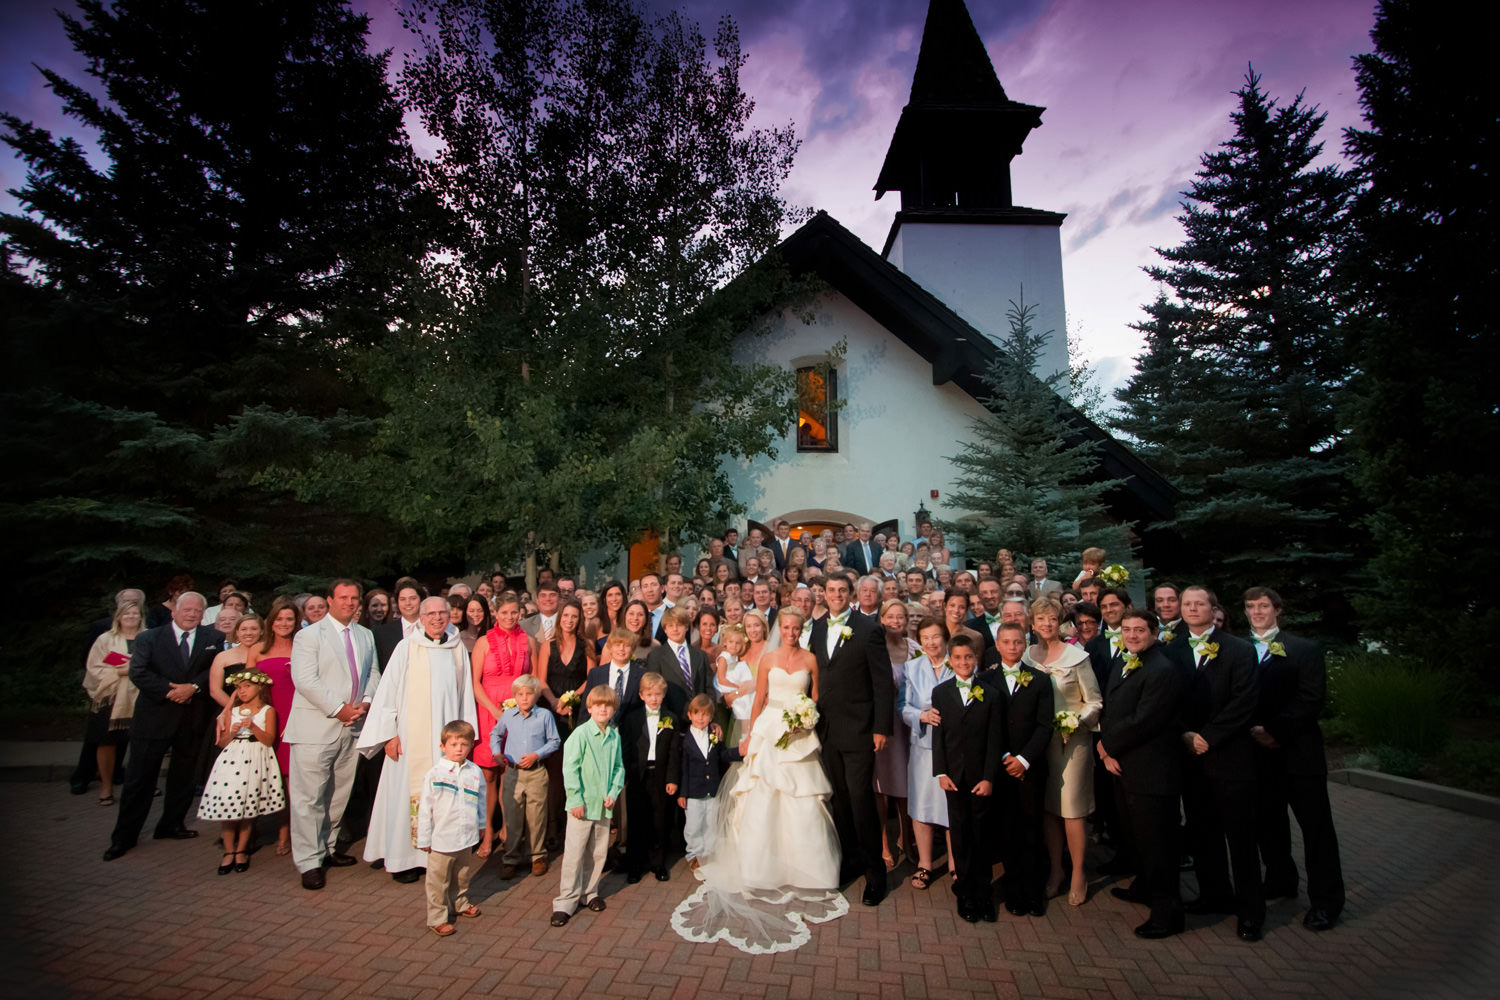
[1392, 701]
[1474, 764]
[1394, 760]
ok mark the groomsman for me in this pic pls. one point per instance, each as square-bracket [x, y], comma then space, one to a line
[1166, 598]
[1138, 744]
[1105, 656]
[1290, 764]
[1219, 797]
[1021, 787]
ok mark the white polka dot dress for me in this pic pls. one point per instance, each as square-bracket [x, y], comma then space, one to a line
[245, 781]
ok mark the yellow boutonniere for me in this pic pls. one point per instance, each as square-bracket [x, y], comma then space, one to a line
[1131, 662]
[665, 722]
[508, 703]
[713, 738]
[1208, 650]
[1168, 635]
[1276, 649]
[1023, 679]
[976, 692]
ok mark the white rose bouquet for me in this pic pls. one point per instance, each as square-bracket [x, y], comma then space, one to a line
[801, 717]
[1066, 723]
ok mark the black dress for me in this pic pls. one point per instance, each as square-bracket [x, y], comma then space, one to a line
[567, 677]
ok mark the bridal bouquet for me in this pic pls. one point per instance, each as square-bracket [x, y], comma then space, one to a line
[568, 700]
[1066, 723]
[1114, 575]
[800, 718]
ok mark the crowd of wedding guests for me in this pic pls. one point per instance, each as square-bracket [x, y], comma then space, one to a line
[1035, 722]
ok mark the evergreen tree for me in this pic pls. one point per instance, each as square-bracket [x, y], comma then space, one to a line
[568, 381]
[1235, 397]
[1424, 258]
[167, 308]
[1032, 483]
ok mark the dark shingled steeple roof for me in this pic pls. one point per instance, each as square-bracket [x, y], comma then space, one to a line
[953, 66]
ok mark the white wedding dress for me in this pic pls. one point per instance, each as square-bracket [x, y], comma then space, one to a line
[775, 866]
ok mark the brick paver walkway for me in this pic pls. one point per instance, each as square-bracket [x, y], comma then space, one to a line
[1421, 921]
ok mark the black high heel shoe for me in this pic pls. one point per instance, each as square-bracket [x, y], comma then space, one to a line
[242, 866]
[226, 869]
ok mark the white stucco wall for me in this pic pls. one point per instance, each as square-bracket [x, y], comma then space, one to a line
[976, 270]
[894, 432]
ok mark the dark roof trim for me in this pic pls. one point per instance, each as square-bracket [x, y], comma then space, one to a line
[957, 351]
[1016, 216]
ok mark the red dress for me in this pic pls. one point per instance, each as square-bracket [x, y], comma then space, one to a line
[509, 657]
[279, 669]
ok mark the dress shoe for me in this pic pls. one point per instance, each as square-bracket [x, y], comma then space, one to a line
[1129, 895]
[1037, 909]
[337, 860]
[507, 871]
[559, 918]
[631, 878]
[78, 789]
[115, 851]
[873, 894]
[181, 834]
[1246, 931]
[226, 869]
[1155, 932]
[987, 912]
[1015, 909]
[661, 875]
[1210, 907]
[409, 876]
[313, 879]
[539, 867]
[378, 864]
[1316, 920]
[242, 866]
[967, 912]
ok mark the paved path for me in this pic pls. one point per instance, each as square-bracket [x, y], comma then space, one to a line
[1421, 921]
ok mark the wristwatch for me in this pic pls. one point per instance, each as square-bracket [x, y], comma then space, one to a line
[197, 689]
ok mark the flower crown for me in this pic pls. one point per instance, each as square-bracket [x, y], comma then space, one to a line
[254, 675]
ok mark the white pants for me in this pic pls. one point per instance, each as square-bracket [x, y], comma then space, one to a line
[319, 779]
[700, 829]
[582, 864]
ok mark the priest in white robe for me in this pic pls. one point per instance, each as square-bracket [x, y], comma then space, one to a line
[425, 686]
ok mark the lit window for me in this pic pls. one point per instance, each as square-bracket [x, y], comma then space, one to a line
[817, 418]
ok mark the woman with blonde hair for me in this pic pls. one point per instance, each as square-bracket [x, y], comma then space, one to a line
[1070, 763]
[106, 680]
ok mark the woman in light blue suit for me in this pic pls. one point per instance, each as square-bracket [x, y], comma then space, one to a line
[926, 802]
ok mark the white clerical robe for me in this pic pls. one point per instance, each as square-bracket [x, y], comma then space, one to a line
[418, 716]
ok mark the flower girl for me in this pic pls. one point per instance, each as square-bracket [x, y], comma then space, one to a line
[245, 782]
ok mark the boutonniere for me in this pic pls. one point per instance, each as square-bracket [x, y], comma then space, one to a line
[1131, 662]
[1276, 649]
[976, 692]
[1023, 678]
[845, 632]
[508, 703]
[713, 738]
[1208, 650]
[1168, 635]
[665, 722]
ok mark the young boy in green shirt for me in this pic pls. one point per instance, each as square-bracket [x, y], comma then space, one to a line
[593, 776]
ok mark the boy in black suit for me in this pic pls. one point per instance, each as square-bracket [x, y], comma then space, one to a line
[650, 745]
[966, 753]
[1019, 794]
[618, 671]
[704, 757]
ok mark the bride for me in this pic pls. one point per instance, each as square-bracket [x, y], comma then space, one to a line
[775, 866]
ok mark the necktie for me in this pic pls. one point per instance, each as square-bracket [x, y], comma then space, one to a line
[187, 646]
[687, 671]
[620, 685]
[353, 666]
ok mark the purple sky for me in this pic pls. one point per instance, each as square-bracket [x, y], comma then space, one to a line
[1135, 93]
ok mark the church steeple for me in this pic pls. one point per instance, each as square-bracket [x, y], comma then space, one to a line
[959, 131]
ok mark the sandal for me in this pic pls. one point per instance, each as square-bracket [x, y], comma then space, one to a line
[106, 800]
[443, 930]
[472, 911]
[921, 878]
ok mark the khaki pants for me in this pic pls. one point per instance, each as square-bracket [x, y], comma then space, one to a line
[448, 874]
[523, 796]
[583, 862]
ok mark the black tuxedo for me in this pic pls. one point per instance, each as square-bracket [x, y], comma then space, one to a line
[646, 800]
[701, 775]
[856, 700]
[679, 691]
[986, 638]
[160, 725]
[1219, 797]
[1139, 728]
[1293, 688]
[1106, 662]
[1028, 730]
[599, 676]
[968, 747]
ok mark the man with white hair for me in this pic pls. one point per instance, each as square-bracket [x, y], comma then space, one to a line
[425, 686]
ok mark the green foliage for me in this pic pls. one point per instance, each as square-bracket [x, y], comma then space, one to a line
[1426, 409]
[1394, 760]
[1392, 701]
[1234, 397]
[1032, 482]
[1473, 764]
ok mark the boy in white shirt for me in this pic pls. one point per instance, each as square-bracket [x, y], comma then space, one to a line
[450, 816]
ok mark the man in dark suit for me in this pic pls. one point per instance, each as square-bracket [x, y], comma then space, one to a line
[1139, 744]
[860, 555]
[650, 748]
[966, 752]
[170, 669]
[408, 596]
[988, 623]
[1022, 783]
[683, 665]
[1219, 796]
[1105, 651]
[1291, 768]
[856, 699]
[782, 545]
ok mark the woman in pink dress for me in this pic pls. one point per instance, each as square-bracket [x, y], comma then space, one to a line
[500, 656]
[274, 658]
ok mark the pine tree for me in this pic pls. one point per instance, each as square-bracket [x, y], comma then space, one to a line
[1235, 397]
[1423, 262]
[1032, 483]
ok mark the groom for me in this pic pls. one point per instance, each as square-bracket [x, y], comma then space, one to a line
[855, 705]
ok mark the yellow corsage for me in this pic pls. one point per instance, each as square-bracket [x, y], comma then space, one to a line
[1276, 649]
[1023, 678]
[1209, 650]
[665, 722]
[976, 692]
